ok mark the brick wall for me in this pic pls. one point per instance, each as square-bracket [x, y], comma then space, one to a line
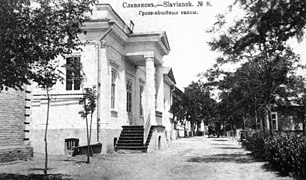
[14, 114]
[15, 153]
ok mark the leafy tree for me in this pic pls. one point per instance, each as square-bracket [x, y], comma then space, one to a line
[198, 104]
[33, 33]
[89, 105]
[192, 104]
[258, 40]
[177, 108]
[178, 111]
[300, 89]
[47, 79]
[280, 19]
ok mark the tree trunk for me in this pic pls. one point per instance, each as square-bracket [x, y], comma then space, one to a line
[46, 132]
[262, 125]
[88, 145]
[270, 118]
[256, 113]
[185, 131]
[304, 127]
[90, 132]
[304, 122]
[192, 129]
[256, 119]
[244, 126]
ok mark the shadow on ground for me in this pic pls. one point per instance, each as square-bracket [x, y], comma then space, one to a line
[236, 158]
[38, 169]
[220, 140]
[221, 144]
[229, 148]
[75, 161]
[10, 176]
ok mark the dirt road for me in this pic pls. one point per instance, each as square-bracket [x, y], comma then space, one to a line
[187, 158]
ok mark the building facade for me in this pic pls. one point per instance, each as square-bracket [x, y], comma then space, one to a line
[126, 69]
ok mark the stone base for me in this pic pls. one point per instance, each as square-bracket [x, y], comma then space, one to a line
[158, 139]
[14, 153]
[56, 139]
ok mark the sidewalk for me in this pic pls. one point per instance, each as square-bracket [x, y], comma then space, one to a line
[187, 158]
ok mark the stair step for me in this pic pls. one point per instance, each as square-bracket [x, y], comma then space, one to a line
[129, 144]
[130, 138]
[131, 147]
[132, 127]
[131, 135]
[132, 131]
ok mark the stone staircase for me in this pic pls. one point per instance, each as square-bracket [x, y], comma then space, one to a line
[131, 140]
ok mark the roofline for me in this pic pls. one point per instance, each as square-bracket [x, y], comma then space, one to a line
[167, 45]
[178, 89]
[146, 34]
[169, 73]
[132, 34]
[107, 4]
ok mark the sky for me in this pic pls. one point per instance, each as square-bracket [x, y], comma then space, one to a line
[190, 53]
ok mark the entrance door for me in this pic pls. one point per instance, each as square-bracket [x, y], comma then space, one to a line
[129, 100]
[140, 104]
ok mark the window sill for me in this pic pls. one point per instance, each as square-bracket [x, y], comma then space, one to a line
[80, 90]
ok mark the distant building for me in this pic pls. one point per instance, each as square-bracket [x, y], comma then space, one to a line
[169, 95]
[15, 114]
[134, 90]
[286, 119]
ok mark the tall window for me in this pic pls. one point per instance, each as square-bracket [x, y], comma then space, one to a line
[73, 73]
[140, 100]
[113, 88]
[129, 96]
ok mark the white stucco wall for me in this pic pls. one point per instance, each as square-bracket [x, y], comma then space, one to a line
[64, 109]
[64, 118]
[98, 57]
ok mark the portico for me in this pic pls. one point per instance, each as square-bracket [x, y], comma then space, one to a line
[147, 50]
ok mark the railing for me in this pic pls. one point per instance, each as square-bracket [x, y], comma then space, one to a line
[147, 129]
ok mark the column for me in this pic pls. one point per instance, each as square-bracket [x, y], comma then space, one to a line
[160, 95]
[150, 89]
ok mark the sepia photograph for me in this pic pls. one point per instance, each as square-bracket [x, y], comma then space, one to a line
[152, 89]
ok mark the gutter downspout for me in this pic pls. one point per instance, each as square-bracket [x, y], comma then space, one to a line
[99, 80]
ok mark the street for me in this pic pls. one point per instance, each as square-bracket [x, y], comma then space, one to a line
[186, 158]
